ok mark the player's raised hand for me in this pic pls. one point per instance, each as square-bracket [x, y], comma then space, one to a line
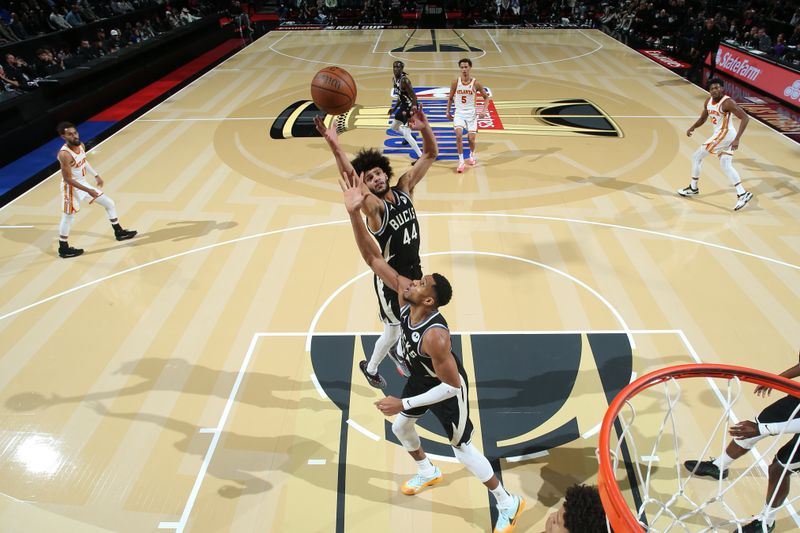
[351, 184]
[329, 134]
[418, 120]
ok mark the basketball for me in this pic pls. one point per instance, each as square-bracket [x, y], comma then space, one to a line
[333, 90]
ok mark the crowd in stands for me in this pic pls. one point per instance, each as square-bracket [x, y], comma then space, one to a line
[678, 25]
[78, 32]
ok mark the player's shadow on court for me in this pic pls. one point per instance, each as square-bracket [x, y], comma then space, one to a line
[555, 478]
[177, 375]
[605, 182]
[766, 185]
[246, 460]
[673, 82]
[530, 156]
[43, 235]
[175, 231]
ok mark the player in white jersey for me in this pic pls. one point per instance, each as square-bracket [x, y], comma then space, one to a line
[725, 139]
[464, 91]
[74, 189]
[438, 382]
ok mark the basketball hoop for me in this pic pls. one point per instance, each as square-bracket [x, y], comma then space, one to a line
[679, 510]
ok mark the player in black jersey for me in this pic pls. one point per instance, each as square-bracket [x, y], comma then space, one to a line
[391, 218]
[406, 105]
[438, 382]
[779, 418]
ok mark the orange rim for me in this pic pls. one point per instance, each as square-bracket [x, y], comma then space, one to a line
[619, 514]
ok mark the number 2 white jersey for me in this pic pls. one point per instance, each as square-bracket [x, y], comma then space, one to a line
[724, 132]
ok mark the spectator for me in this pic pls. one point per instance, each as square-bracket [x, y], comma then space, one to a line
[795, 18]
[86, 52]
[9, 84]
[707, 43]
[73, 18]
[15, 26]
[780, 46]
[46, 64]
[187, 18]
[115, 41]
[57, 20]
[764, 42]
[18, 70]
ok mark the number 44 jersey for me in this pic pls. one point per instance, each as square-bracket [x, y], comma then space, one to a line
[398, 236]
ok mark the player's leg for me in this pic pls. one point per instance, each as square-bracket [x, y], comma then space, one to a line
[459, 126]
[111, 210]
[742, 196]
[70, 204]
[786, 461]
[403, 428]
[471, 137]
[389, 311]
[453, 414]
[697, 162]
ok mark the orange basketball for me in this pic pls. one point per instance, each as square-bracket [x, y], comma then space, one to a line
[333, 90]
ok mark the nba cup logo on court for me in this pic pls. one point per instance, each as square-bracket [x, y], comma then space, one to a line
[552, 118]
[523, 408]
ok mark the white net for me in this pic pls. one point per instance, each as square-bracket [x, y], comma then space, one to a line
[688, 419]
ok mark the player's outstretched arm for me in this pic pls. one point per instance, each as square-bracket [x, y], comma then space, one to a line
[430, 150]
[332, 138]
[351, 185]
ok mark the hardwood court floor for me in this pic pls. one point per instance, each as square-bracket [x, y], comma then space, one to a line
[201, 376]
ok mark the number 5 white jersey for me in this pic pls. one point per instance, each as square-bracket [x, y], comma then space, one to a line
[465, 99]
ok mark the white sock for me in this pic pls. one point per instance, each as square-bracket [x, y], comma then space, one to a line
[504, 499]
[406, 132]
[723, 461]
[391, 333]
[769, 515]
[425, 468]
[461, 158]
[694, 182]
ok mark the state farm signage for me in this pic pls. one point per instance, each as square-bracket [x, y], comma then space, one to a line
[663, 59]
[779, 82]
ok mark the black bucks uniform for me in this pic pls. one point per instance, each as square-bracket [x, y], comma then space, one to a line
[404, 102]
[398, 238]
[453, 412]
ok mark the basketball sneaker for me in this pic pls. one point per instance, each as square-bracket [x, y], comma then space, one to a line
[418, 482]
[689, 191]
[460, 168]
[705, 468]
[125, 234]
[507, 518]
[742, 199]
[376, 380]
[757, 527]
[472, 161]
[69, 251]
[399, 362]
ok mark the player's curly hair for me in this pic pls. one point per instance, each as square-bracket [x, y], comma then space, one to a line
[368, 158]
[442, 289]
[583, 510]
[714, 81]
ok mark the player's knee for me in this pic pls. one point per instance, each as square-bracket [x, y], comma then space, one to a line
[698, 155]
[403, 429]
[396, 125]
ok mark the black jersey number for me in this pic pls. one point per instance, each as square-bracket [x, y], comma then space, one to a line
[407, 238]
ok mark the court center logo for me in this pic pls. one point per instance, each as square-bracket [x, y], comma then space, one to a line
[573, 117]
[534, 391]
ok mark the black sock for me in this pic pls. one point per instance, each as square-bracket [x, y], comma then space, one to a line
[117, 227]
